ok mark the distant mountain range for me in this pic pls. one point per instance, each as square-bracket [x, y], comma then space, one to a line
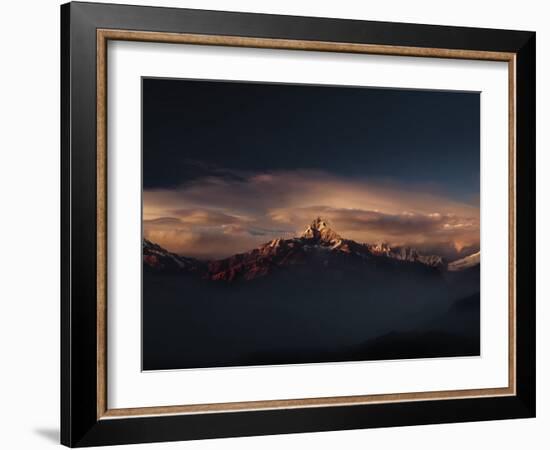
[317, 245]
[317, 297]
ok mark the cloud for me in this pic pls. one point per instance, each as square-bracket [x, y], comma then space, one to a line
[219, 215]
[205, 217]
[360, 220]
[202, 243]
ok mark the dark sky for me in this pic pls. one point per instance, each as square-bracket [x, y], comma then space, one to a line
[191, 127]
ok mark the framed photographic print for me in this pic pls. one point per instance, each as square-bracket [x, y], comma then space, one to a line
[276, 224]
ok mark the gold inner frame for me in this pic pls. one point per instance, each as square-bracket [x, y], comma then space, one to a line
[103, 36]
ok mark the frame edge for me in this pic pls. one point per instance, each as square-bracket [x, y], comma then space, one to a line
[65, 334]
[79, 430]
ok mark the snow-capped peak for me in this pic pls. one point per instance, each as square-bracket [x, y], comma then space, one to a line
[320, 230]
[464, 263]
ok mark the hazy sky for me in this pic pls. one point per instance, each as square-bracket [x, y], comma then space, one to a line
[230, 165]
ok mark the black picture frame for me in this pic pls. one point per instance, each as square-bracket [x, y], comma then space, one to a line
[80, 425]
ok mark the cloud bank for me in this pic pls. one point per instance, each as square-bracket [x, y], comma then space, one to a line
[220, 215]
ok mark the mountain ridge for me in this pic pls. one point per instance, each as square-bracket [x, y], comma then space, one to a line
[319, 245]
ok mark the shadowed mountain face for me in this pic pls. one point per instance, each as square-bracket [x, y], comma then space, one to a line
[314, 298]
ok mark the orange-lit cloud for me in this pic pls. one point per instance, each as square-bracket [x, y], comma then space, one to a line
[217, 216]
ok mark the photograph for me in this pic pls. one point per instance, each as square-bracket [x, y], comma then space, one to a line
[280, 221]
[301, 224]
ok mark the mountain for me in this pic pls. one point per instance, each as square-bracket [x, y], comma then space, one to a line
[468, 262]
[318, 244]
[407, 254]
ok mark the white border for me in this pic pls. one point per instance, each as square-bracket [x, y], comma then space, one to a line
[129, 387]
